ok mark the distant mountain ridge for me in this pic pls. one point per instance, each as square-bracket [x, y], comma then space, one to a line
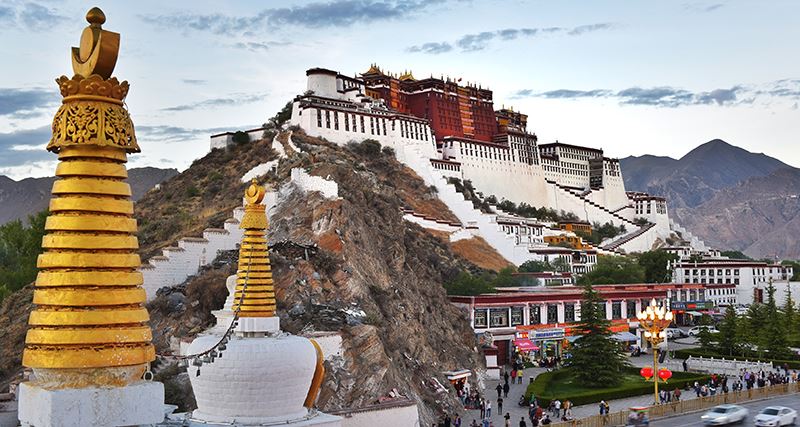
[729, 197]
[18, 199]
[697, 176]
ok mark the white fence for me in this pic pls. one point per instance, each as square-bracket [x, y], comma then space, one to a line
[724, 366]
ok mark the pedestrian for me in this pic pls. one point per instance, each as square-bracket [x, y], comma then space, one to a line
[457, 421]
[474, 423]
[685, 365]
[677, 394]
[522, 422]
[499, 389]
[556, 407]
[485, 422]
[567, 406]
[505, 376]
[520, 374]
[602, 407]
[507, 417]
[488, 409]
[499, 405]
[483, 408]
[546, 420]
[506, 388]
[535, 422]
[513, 375]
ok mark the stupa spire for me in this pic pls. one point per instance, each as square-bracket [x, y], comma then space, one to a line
[255, 293]
[90, 325]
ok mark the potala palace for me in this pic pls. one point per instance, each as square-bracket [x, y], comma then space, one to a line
[443, 130]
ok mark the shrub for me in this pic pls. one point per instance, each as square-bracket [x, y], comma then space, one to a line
[545, 380]
[388, 151]
[241, 137]
[192, 191]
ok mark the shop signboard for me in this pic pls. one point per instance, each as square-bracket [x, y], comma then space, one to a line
[547, 334]
[691, 305]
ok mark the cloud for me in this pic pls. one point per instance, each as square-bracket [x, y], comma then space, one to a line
[25, 103]
[171, 134]
[194, 81]
[433, 48]
[235, 99]
[30, 16]
[335, 13]
[24, 146]
[661, 96]
[702, 7]
[259, 46]
[480, 41]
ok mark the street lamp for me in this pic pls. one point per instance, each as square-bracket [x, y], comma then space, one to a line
[654, 319]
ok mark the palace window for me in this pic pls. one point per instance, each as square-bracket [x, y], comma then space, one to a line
[616, 310]
[327, 119]
[631, 309]
[480, 318]
[336, 120]
[516, 316]
[552, 313]
[362, 124]
[498, 317]
[535, 315]
[319, 118]
[569, 312]
[384, 126]
[346, 122]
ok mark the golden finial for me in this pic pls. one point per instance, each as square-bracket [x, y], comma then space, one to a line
[254, 193]
[98, 49]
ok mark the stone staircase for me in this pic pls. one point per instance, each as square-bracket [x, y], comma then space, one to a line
[601, 211]
[615, 244]
[693, 240]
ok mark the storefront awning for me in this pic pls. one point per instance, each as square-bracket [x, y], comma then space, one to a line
[624, 337]
[573, 338]
[525, 345]
[694, 313]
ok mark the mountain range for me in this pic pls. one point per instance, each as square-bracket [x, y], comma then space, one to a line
[18, 199]
[729, 197]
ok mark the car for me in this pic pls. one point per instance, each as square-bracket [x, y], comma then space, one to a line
[724, 414]
[673, 333]
[775, 416]
[696, 330]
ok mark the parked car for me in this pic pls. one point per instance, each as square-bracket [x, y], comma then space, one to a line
[724, 414]
[775, 416]
[696, 330]
[673, 333]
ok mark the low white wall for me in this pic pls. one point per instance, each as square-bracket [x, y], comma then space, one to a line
[403, 416]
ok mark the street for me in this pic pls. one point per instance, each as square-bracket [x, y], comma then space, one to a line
[693, 419]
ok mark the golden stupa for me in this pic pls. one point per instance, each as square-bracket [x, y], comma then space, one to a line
[90, 327]
[254, 271]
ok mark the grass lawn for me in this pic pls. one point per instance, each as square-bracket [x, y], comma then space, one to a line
[562, 384]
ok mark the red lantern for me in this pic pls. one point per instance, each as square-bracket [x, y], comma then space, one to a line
[664, 374]
[646, 372]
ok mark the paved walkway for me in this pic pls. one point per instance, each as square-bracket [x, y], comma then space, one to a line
[511, 406]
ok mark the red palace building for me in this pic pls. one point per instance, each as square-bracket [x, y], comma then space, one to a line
[543, 318]
[454, 111]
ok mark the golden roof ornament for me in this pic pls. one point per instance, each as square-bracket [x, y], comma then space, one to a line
[90, 326]
[255, 294]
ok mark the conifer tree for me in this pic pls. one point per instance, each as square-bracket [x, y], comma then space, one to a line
[791, 317]
[729, 343]
[753, 331]
[597, 360]
[774, 332]
[705, 337]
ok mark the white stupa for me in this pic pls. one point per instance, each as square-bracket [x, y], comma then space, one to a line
[257, 375]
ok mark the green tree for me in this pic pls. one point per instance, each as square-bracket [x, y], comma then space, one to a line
[505, 278]
[655, 265]
[613, 270]
[752, 335]
[597, 360]
[534, 266]
[791, 318]
[705, 337]
[734, 255]
[241, 137]
[774, 329]
[560, 264]
[20, 245]
[729, 333]
[468, 285]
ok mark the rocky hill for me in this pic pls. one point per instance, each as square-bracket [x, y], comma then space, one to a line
[18, 199]
[759, 216]
[697, 176]
[351, 265]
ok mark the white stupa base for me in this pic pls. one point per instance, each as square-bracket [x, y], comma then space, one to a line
[140, 403]
[318, 419]
[267, 325]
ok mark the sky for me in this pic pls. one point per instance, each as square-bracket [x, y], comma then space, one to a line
[631, 77]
